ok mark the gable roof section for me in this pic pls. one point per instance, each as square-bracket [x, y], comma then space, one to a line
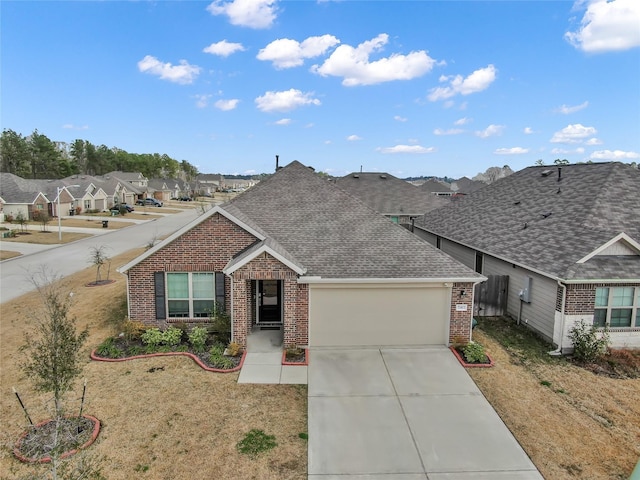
[186, 228]
[269, 246]
[548, 219]
[389, 195]
[334, 235]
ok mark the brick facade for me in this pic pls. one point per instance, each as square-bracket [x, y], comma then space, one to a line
[208, 247]
[581, 298]
[460, 320]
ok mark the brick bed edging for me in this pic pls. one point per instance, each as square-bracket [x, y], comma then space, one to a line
[169, 354]
[306, 359]
[472, 365]
[94, 435]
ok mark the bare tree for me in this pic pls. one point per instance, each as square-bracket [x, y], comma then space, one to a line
[99, 258]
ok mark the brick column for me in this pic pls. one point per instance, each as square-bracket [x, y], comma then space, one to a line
[460, 320]
[239, 313]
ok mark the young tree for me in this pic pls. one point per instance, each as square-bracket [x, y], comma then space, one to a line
[54, 359]
[42, 217]
[22, 221]
[99, 258]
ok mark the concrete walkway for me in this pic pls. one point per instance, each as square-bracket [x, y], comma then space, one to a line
[407, 414]
[263, 362]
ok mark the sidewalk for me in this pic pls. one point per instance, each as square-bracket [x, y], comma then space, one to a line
[263, 362]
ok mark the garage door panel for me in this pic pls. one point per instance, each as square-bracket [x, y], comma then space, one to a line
[365, 315]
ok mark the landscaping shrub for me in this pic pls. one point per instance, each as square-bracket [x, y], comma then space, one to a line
[589, 343]
[108, 349]
[133, 330]
[198, 338]
[474, 353]
[216, 357]
[154, 337]
[234, 349]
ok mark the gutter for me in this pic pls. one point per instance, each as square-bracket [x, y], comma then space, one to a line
[321, 280]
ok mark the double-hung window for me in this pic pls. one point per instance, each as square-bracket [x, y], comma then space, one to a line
[190, 295]
[617, 307]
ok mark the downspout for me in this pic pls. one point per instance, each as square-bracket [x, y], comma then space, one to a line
[232, 315]
[558, 351]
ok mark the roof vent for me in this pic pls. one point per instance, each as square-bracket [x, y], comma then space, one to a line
[384, 177]
[547, 214]
[355, 175]
[546, 173]
[517, 203]
[525, 225]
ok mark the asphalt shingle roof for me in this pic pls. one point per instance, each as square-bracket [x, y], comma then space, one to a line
[548, 224]
[333, 234]
[389, 195]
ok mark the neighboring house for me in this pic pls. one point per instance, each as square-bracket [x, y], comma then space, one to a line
[390, 196]
[133, 186]
[439, 189]
[465, 186]
[23, 196]
[238, 184]
[208, 183]
[567, 239]
[296, 252]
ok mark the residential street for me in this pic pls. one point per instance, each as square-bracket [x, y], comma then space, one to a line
[66, 259]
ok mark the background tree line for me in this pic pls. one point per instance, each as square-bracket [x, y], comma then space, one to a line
[36, 156]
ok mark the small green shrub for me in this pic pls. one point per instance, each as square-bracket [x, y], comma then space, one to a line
[152, 337]
[198, 338]
[474, 353]
[255, 442]
[589, 343]
[217, 358]
[155, 337]
[107, 349]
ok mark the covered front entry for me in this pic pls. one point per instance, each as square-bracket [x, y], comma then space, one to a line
[378, 314]
[268, 302]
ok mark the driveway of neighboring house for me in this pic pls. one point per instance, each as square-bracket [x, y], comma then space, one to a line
[406, 414]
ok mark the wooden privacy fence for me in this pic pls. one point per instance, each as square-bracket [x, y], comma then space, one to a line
[491, 296]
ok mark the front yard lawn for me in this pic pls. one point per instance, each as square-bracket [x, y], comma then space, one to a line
[573, 423]
[162, 417]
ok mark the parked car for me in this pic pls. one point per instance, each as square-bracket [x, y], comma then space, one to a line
[126, 206]
[150, 201]
[185, 199]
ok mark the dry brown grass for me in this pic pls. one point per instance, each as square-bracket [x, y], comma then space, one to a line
[580, 426]
[180, 422]
[7, 254]
[46, 238]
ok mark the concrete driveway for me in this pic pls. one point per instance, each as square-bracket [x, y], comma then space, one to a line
[406, 414]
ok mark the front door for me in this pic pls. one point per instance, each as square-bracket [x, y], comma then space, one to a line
[269, 301]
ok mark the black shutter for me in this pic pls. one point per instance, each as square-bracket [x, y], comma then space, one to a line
[161, 309]
[220, 284]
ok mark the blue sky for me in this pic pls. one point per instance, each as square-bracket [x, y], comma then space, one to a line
[411, 88]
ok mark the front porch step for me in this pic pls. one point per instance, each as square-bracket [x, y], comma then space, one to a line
[268, 325]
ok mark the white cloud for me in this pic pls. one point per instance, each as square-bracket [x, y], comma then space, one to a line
[183, 73]
[71, 126]
[283, 121]
[202, 100]
[566, 109]
[354, 138]
[490, 131]
[406, 149]
[511, 151]
[528, 130]
[476, 82]
[287, 53]
[573, 134]
[398, 118]
[451, 131]
[246, 13]
[614, 155]
[249, 172]
[607, 26]
[223, 48]
[563, 151]
[285, 101]
[226, 105]
[354, 66]
[593, 141]
[462, 121]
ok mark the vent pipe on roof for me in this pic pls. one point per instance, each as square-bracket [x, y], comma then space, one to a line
[360, 168]
[559, 173]
[277, 160]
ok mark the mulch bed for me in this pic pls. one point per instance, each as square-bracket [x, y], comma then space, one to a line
[74, 433]
[488, 361]
[621, 364]
[124, 349]
[300, 357]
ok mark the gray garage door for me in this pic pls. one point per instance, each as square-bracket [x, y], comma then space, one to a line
[364, 314]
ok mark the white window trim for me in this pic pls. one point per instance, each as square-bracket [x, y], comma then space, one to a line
[190, 299]
[635, 307]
